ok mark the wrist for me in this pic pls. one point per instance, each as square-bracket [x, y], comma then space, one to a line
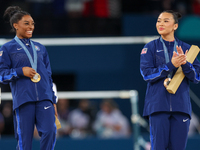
[19, 71]
[184, 62]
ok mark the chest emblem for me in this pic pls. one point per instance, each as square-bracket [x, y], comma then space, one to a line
[37, 48]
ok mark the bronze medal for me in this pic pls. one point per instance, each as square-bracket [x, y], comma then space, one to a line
[36, 78]
[166, 82]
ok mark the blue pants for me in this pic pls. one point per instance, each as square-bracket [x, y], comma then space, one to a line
[41, 114]
[169, 131]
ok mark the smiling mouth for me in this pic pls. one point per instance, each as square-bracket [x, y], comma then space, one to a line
[29, 32]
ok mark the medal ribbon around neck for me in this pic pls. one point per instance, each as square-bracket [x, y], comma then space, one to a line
[33, 62]
[166, 53]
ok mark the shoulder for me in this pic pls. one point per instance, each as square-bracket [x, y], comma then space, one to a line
[35, 42]
[9, 44]
[183, 44]
[100, 114]
[153, 43]
[116, 113]
[38, 45]
[74, 112]
[151, 46]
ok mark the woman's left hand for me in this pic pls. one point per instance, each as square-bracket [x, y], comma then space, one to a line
[55, 108]
[180, 52]
[185, 58]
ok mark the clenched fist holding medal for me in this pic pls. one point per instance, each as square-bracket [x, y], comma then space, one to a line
[31, 73]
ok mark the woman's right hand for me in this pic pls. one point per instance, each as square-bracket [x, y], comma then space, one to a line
[28, 72]
[180, 58]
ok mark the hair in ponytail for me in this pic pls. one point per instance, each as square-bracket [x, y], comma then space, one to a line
[13, 14]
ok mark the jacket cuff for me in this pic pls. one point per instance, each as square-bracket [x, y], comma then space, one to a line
[170, 66]
[54, 102]
[187, 65]
[19, 71]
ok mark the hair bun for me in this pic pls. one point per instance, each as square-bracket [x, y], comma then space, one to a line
[10, 11]
[178, 15]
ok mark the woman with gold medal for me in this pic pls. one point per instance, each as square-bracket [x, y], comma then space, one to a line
[169, 114]
[24, 64]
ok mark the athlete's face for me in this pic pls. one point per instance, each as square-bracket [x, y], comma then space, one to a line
[106, 107]
[24, 27]
[166, 24]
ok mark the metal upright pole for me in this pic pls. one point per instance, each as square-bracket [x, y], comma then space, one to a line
[135, 118]
[0, 95]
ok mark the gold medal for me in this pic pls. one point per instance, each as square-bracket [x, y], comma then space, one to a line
[36, 78]
[166, 82]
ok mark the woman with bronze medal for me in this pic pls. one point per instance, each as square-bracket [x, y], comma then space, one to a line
[169, 114]
[24, 64]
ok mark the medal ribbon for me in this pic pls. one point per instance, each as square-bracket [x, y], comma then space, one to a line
[33, 62]
[166, 53]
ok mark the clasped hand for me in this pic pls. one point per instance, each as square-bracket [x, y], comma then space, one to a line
[28, 72]
[180, 58]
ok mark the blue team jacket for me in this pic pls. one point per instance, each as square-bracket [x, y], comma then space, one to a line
[154, 70]
[12, 59]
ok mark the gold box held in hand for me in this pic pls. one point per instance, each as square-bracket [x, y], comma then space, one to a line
[179, 75]
[58, 125]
